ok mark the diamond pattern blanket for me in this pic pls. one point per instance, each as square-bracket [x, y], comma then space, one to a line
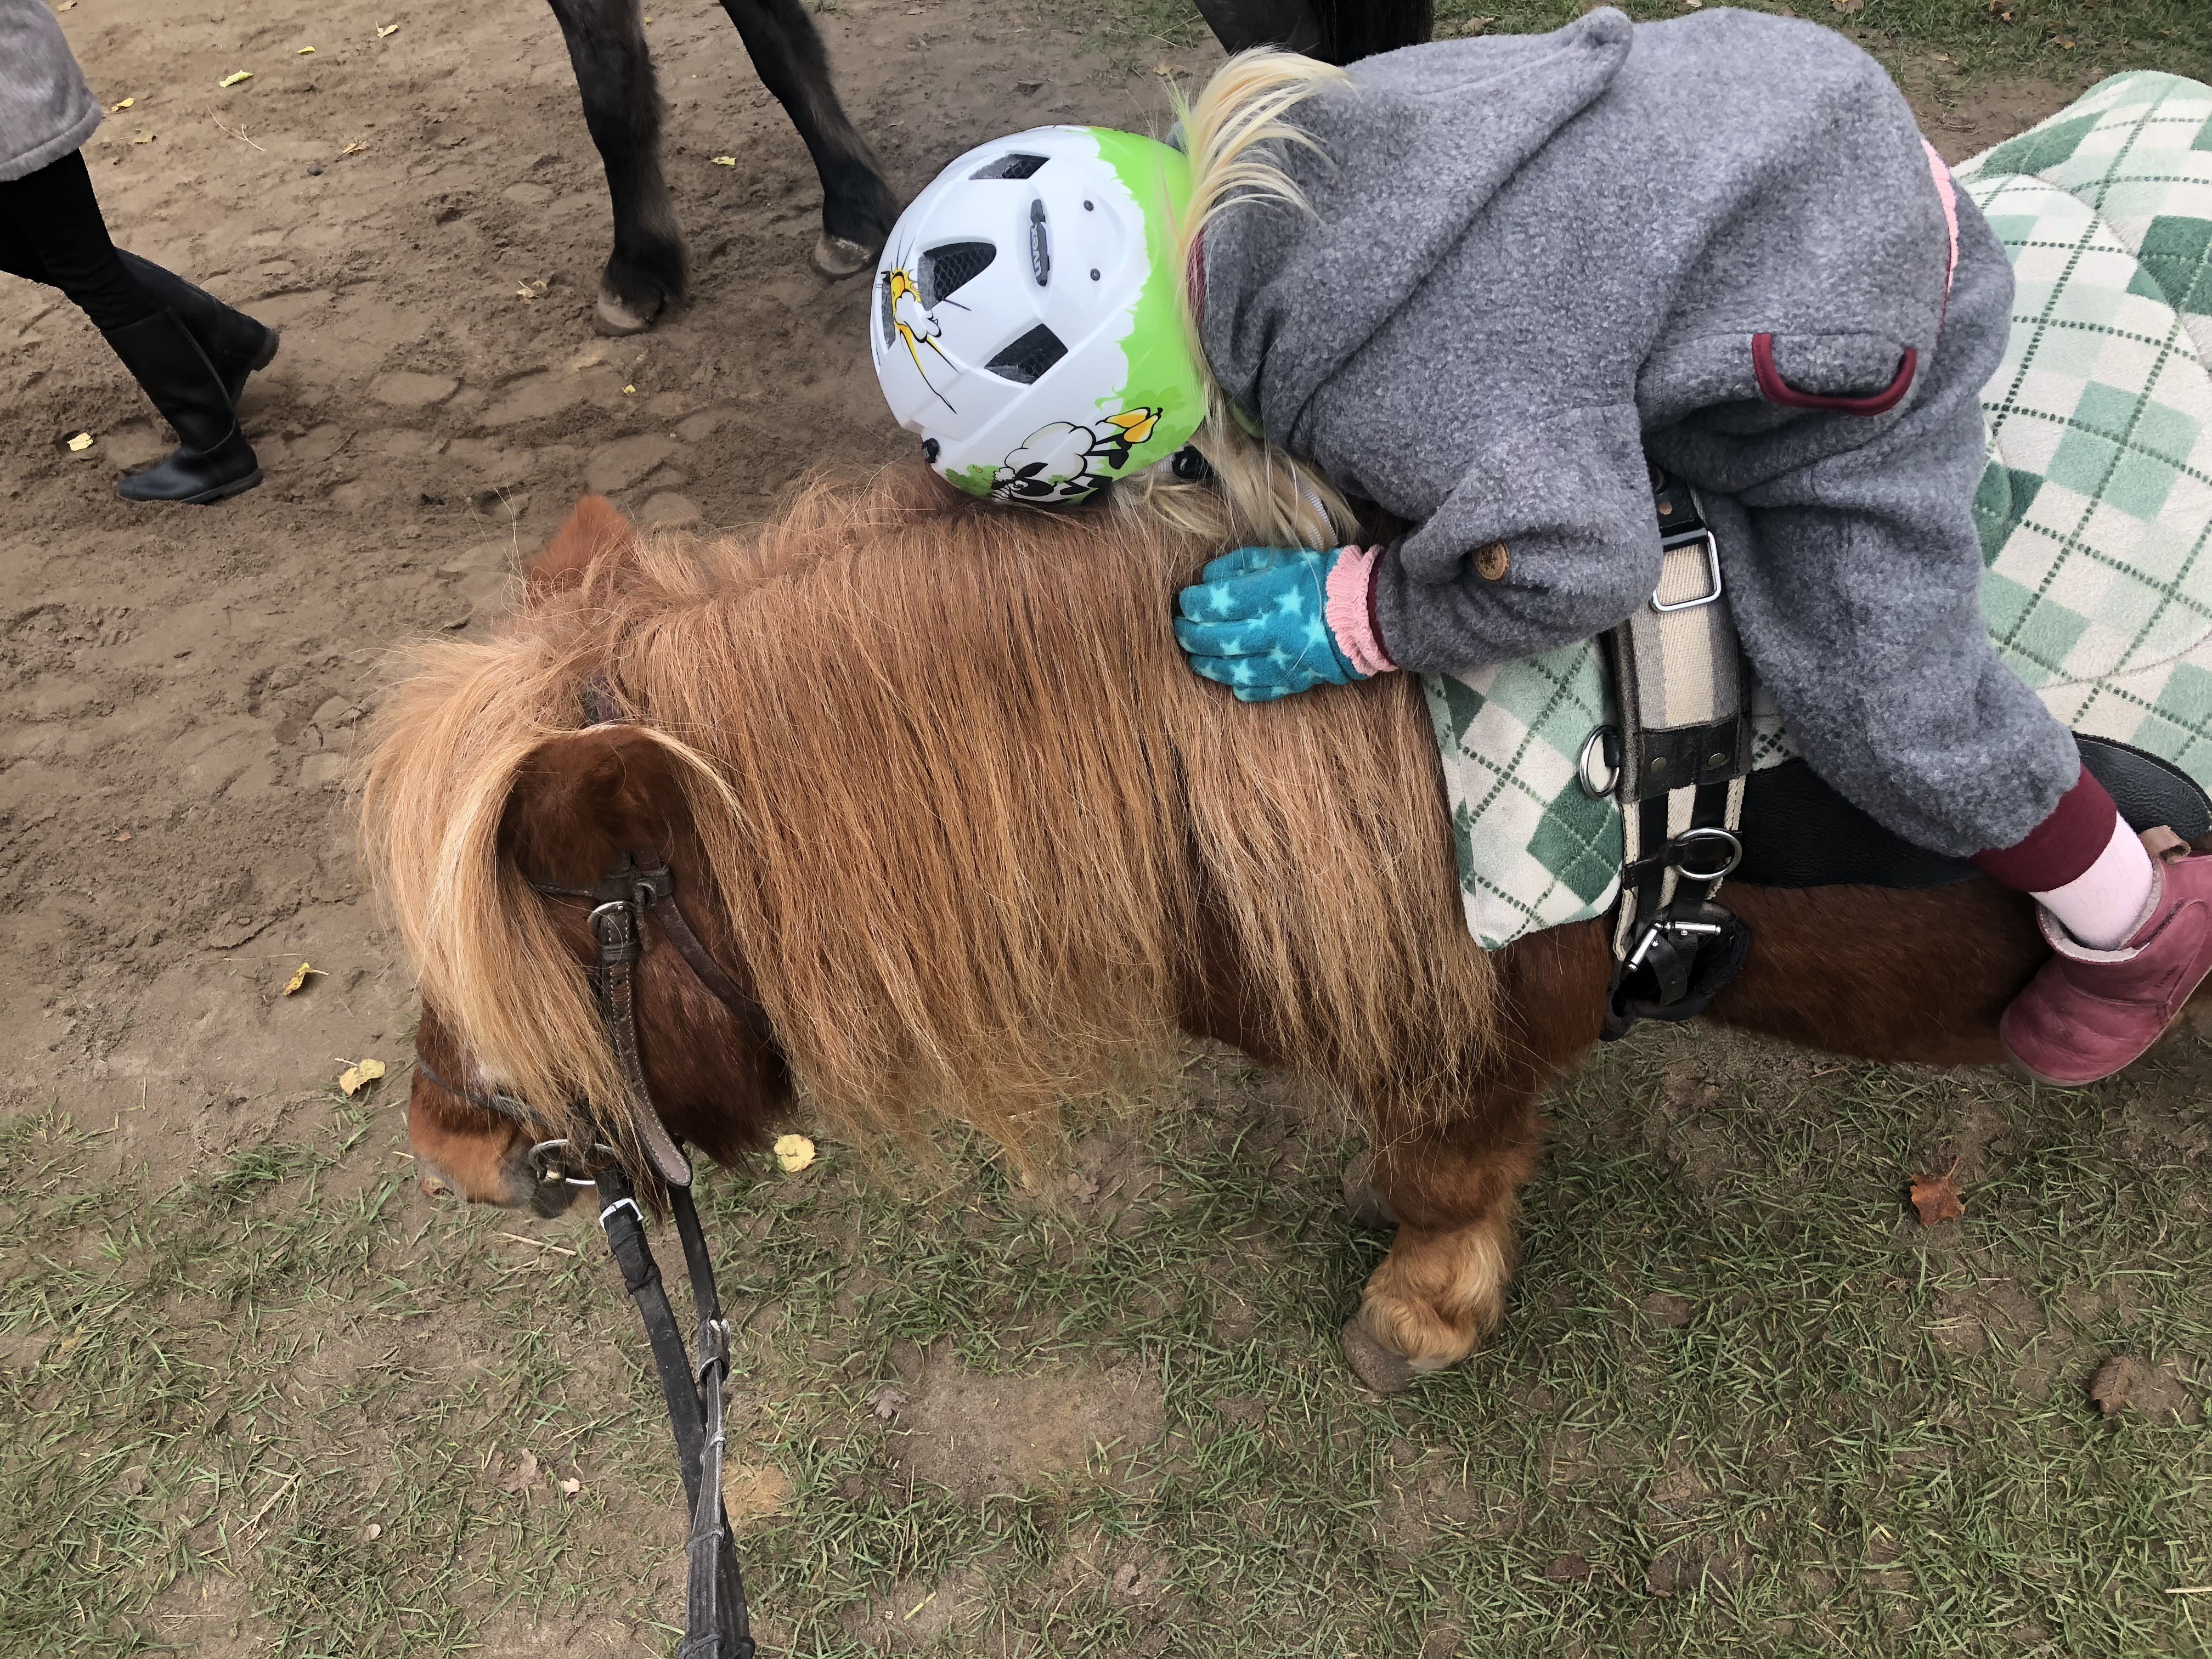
[2095, 506]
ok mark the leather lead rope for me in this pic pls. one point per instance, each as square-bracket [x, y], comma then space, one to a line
[717, 1624]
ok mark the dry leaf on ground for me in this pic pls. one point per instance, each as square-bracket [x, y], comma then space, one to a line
[235, 77]
[304, 51]
[120, 105]
[725, 161]
[1936, 1198]
[143, 138]
[2114, 1378]
[571, 1486]
[354, 148]
[525, 1477]
[794, 1152]
[301, 976]
[389, 28]
[359, 1075]
[81, 442]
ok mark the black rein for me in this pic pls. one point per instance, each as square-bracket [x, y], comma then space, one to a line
[717, 1623]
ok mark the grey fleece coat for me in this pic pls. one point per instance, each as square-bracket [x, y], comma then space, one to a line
[1533, 260]
[46, 109]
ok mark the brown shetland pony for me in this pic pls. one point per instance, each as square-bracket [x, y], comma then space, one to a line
[937, 785]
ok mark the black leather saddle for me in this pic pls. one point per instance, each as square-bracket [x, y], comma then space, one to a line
[1798, 832]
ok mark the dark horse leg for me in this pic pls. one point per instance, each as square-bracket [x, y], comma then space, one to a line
[622, 108]
[857, 206]
[1334, 31]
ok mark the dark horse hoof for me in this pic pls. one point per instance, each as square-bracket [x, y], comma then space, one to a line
[1363, 1199]
[836, 256]
[1385, 1372]
[617, 316]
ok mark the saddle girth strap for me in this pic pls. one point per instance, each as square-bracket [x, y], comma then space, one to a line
[1682, 686]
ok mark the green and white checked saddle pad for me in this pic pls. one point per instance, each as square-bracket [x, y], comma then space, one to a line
[2095, 508]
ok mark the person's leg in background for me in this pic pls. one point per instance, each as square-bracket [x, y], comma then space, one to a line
[190, 351]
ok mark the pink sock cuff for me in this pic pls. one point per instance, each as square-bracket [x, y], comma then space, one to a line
[1350, 610]
[2062, 846]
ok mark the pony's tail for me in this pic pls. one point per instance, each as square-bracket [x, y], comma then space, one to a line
[1233, 134]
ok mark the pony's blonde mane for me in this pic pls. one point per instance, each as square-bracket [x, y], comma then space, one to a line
[966, 807]
[1234, 135]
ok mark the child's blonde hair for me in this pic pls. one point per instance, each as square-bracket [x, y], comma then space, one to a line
[1258, 492]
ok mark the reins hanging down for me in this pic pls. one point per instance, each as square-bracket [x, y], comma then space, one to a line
[717, 1622]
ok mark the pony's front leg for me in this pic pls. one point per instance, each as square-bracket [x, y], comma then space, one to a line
[1450, 1193]
[1446, 1174]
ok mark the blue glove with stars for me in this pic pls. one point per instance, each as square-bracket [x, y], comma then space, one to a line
[1257, 622]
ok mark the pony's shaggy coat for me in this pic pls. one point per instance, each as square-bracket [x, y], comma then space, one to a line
[967, 812]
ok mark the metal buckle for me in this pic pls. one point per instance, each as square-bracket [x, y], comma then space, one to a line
[629, 1204]
[1712, 570]
[1732, 852]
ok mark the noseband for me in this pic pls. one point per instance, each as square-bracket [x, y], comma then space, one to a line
[624, 896]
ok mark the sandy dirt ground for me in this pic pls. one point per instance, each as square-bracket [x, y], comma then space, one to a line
[181, 689]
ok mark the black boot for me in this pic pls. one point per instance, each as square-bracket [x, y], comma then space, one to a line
[233, 342]
[214, 460]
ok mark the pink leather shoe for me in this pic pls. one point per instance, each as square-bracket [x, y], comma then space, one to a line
[2089, 1012]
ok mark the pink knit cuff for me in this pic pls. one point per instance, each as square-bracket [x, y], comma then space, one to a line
[1350, 610]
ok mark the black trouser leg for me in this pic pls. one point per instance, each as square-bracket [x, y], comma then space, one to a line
[51, 231]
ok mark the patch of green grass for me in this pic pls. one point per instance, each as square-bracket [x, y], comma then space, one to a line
[2056, 39]
[1742, 1402]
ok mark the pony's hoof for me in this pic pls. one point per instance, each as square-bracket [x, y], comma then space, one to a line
[1385, 1372]
[614, 315]
[1363, 1199]
[835, 257]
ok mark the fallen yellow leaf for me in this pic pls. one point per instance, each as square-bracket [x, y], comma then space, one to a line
[359, 1075]
[299, 976]
[725, 161]
[354, 148]
[143, 138]
[389, 28]
[81, 442]
[304, 51]
[794, 1152]
[235, 77]
[629, 391]
[126, 104]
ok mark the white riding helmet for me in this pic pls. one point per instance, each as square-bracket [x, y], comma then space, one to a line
[1028, 324]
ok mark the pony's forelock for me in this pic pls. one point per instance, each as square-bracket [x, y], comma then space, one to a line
[968, 814]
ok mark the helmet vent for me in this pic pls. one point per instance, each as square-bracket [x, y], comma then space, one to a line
[1009, 167]
[1027, 358]
[883, 312]
[944, 271]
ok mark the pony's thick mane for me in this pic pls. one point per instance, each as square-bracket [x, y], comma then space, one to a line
[966, 810]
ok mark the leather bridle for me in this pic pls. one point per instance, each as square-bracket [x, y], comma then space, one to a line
[717, 1623]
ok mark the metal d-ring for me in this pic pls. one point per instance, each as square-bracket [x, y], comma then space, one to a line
[1598, 775]
[1732, 852]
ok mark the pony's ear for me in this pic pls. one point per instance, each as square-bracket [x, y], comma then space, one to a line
[584, 799]
[594, 532]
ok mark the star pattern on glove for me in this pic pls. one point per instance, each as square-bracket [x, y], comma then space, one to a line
[1256, 622]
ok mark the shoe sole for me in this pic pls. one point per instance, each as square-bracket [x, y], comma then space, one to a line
[267, 355]
[204, 498]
